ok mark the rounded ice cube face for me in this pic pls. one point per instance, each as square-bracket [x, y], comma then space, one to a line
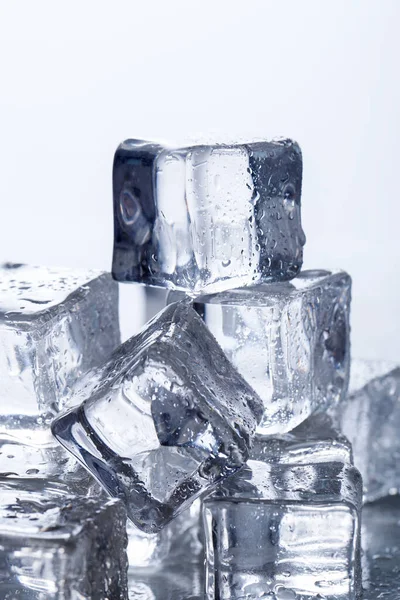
[207, 218]
[164, 420]
[55, 324]
[289, 340]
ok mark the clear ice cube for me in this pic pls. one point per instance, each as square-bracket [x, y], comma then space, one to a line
[54, 546]
[289, 340]
[207, 218]
[285, 531]
[164, 420]
[55, 324]
[314, 440]
[370, 419]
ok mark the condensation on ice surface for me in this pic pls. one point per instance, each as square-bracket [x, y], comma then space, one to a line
[207, 218]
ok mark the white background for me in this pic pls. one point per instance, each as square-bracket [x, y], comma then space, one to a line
[78, 77]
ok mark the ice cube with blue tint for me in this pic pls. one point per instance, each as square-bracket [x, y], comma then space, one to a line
[285, 532]
[207, 218]
[289, 340]
[164, 420]
[55, 324]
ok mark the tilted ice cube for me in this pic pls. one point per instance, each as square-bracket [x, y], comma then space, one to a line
[164, 420]
[54, 325]
[289, 340]
[207, 218]
[314, 440]
[370, 419]
[291, 531]
[58, 546]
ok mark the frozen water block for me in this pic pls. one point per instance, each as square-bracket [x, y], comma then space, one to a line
[289, 340]
[58, 546]
[164, 420]
[370, 419]
[55, 324]
[207, 218]
[285, 532]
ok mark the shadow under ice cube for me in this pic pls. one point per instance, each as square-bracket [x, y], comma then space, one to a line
[164, 420]
[285, 532]
[289, 340]
[54, 546]
[207, 217]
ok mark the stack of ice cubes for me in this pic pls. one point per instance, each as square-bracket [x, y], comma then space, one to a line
[219, 454]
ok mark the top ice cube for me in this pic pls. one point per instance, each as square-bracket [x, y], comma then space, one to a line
[207, 218]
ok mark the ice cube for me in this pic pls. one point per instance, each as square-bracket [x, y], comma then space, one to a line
[314, 440]
[291, 531]
[207, 218]
[289, 340]
[54, 546]
[164, 420]
[55, 324]
[370, 419]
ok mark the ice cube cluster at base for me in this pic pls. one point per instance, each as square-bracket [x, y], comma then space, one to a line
[164, 420]
[224, 429]
[289, 340]
[60, 546]
[55, 324]
[370, 419]
[207, 217]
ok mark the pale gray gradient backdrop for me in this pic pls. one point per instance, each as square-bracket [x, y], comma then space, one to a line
[77, 77]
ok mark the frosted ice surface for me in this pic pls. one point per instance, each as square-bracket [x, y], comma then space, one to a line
[54, 325]
[54, 546]
[285, 532]
[370, 419]
[164, 420]
[289, 340]
[207, 218]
